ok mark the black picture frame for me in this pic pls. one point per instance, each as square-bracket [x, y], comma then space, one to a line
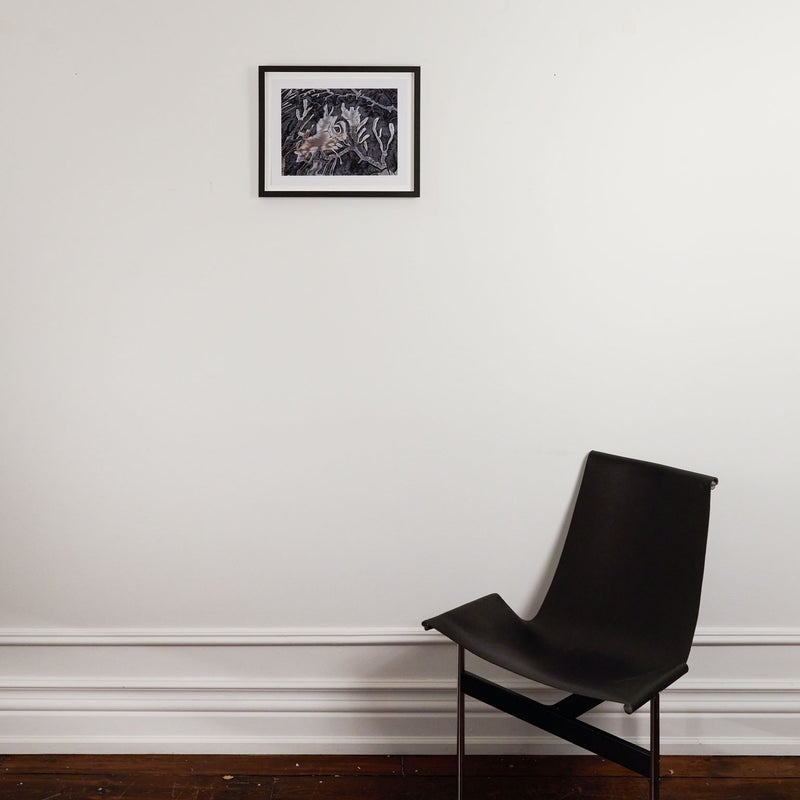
[336, 131]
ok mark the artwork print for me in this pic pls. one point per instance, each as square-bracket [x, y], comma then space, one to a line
[336, 131]
[339, 131]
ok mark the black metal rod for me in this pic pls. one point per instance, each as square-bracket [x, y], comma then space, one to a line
[655, 749]
[575, 705]
[572, 730]
[460, 724]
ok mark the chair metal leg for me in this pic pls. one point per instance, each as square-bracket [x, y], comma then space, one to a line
[460, 725]
[655, 755]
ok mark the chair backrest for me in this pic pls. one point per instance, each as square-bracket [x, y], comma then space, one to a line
[630, 573]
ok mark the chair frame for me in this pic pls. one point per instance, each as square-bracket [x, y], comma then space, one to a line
[560, 719]
[617, 499]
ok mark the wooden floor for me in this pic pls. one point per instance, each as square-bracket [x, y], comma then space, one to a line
[63, 777]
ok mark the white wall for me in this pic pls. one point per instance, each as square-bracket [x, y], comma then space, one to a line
[256, 421]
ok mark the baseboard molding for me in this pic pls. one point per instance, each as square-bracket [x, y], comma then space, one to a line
[379, 716]
[365, 690]
[366, 697]
[218, 637]
[335, 636]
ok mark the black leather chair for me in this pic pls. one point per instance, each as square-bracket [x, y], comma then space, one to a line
[618, 619]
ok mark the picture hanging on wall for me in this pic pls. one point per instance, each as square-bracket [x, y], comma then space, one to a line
[338, 131]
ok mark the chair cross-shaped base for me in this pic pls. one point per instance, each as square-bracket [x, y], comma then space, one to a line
[560, 719]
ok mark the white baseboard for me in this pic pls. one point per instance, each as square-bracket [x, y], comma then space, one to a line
[362, 691]
[373, 745]
[237, 637]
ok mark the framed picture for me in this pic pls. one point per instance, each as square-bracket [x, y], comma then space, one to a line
[338, 131]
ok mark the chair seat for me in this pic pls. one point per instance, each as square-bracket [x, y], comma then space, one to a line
[587, 663]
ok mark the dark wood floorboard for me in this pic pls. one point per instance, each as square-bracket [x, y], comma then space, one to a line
[531, 788]
[221, 777]
[671, 766]
[202, 765]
